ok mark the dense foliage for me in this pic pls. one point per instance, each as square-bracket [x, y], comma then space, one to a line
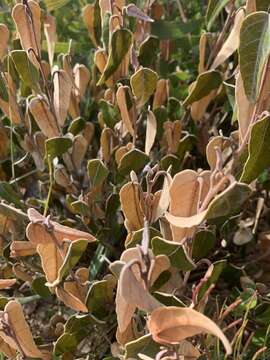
[134, 179]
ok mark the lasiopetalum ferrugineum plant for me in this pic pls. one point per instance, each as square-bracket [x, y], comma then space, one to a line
[134, 179]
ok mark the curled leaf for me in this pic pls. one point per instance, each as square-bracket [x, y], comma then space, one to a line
[170, 325]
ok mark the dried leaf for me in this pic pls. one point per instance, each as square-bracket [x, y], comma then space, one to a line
[42, 231]
[29, 27]
[133, 11]
[185, 194]
[61, 96]
[22, 248]
[50, 34]
[4, 36]
[82, 78]
[44, 117]
[70, 300]
[7, 283]
[126, 113]
[130, 197]
[151, 131]
[232, 42]
[22, 339]
[171, 325]
[245, 109]
[161, 93]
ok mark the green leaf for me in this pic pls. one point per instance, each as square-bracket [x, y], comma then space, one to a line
[97, 172]
[213, 10]
[169, 30]
[57, 146]
[100, 298]
[143, 84]
[205, 83]
[110, 113]
[170, 160]
[148, 51]
[133, 160]
[168, 299]
[76, 329]
[27, 71]
[219, 266]
[74, 253]
[262, 5]
[7, 193]
[76, 126]
[258, 149]
[55, 4]
[228, 201]
[144, 345]
[135, 237]
[39, 287]
[3, 88]
[203, 242]
[175, 252]
[185, 145]
[254, 50]
[120, 44]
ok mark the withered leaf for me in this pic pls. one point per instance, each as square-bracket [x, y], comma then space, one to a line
[61, 96]
[170, 325]
[29, 27]
[21, 339]
[44, 117]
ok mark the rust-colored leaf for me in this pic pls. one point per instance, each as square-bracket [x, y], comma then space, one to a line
[171, 325]
[44, 117]
[151, 131]
[21, 338]
[4, 36]
[61, 96]
[28, 25]
[130, 197]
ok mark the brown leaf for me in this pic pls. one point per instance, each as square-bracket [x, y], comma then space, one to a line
[61, 95]
[7, 283]
[82, 78]
[21, 338]
[185, 194]
[170, 325]
[130, 198]
[202, 47]
[198, 108]
[21, 273]
[80, 147]
[29, 28]
[44, 117]
[131, 292]
[163, 200]
[22, 248]
[52, 258]
[244, 108]
[219, 143]
[7, 350]
[161, 93]
[50, 34]
[70, 300]
[4, 36]
[126, 114]
[88, 13]
[100, 62]
[151, 131]
[130, 295]
[40, 231]
[173, 132]
[232, 42]
[10, 108]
